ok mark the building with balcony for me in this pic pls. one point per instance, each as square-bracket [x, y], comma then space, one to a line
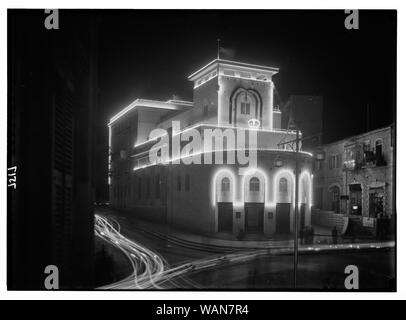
[356, 179]
[202, 177]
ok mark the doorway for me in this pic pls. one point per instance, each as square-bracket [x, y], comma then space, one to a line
[225, 216]
[283, 218]
[356, 199]
[254, 217]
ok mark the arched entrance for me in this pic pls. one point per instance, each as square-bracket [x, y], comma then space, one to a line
[225, 208]
[254, 199]
[283, 195]
[224, 190]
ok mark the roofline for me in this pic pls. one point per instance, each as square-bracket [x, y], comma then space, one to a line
[358, 135]
[164, 105]
[235, 63]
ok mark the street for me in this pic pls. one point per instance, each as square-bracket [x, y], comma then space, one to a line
[316, 271]
[159, 264]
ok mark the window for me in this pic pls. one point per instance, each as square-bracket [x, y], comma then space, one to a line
[378, 149]
[334, 162]
[139, 188]
[179, 184]
[148, 188]
[283, 185]
[225, 185]
[350, 153]
[376, 200]
[187, 183]
[245, 108]
[367, 145]
[254, 184]
[392, 135]
[157, 187]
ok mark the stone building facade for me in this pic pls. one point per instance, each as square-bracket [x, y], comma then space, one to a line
[356, 178]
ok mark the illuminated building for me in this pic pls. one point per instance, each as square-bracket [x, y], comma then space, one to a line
[211, 198]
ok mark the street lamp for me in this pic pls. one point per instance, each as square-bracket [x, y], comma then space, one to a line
[320, 155]
[278, 162]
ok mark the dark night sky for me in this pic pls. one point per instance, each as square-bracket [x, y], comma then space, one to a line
[149, 54]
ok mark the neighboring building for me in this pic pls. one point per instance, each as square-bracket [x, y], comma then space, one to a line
[236, 99]
[52, 99]
[356, 178]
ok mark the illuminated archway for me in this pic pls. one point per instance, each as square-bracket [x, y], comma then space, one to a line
[260, 195]
[217, 194]
[288, 195]
[237, 96]
[305, 188]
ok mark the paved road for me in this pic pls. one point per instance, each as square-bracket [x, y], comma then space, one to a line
[323, 271]
[149, 269]
[159, 265]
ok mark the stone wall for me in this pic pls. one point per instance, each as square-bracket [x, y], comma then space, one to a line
[329, 219]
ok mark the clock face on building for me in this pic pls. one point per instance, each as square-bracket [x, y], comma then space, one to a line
[254, 123]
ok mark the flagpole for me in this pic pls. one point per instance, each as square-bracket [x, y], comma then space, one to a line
[218, 65]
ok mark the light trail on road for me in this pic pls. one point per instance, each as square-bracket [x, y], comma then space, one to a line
[151, 271]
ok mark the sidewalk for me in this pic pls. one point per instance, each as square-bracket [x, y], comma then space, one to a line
[209, 243]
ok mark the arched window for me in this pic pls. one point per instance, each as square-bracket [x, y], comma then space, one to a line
[378, 149]
[283, 185]
[254, 184]
[245, 105]
[225, 185]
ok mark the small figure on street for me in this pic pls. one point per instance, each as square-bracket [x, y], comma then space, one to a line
[334, 233]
